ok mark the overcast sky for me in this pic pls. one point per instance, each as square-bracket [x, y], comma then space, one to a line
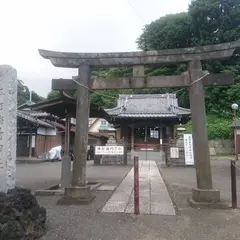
[71, 25]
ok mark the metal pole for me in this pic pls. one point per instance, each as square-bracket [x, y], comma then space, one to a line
[136, 186]
[235, 134]
[233, 184]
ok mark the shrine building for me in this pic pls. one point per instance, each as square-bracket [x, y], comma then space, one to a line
[146, 121]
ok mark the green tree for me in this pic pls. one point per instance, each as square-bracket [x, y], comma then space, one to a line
[218, 128]
[53, 94]
[171, 31]
[21, 95]
[218, 21]
[206, 22]
[215, 21]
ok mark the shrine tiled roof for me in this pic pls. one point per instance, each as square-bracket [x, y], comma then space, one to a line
[33, 120]
[148, 106]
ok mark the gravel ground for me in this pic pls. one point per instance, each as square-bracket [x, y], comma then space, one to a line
[180, 181]
[87, 222]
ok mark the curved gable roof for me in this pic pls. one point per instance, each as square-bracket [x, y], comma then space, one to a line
[148, 105]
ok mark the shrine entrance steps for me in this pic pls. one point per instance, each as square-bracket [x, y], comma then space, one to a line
[154, 196]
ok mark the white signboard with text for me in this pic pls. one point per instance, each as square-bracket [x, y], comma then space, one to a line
[188, 149]
[174, 152]
[109, 150]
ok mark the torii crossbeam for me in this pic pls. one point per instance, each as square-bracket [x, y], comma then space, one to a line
[137, 60]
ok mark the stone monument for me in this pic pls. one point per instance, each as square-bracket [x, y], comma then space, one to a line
[8, 122]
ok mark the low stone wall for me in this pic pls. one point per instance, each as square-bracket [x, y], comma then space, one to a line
[221, 147]
[21, 217]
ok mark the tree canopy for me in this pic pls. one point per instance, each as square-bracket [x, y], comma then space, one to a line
[206, 22]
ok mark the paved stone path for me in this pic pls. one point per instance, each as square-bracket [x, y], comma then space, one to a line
[154, 197]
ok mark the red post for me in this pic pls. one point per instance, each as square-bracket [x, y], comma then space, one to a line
[136, 186]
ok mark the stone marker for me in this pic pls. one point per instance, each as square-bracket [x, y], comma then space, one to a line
[8, 122]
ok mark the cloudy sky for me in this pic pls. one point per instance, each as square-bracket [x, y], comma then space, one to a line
[71, 25]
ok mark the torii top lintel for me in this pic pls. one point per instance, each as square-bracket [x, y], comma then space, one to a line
[74, 60]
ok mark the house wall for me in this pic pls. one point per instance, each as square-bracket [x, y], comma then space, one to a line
[22, 146]
[46, 131]
[95, 127]
[42, 141]
[91, 121]
[33, 141]
[94, 141]
[45, 143]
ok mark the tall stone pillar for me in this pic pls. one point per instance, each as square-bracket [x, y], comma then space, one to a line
[81, 133]
[79, 192]
[8, 126]
[204, 191]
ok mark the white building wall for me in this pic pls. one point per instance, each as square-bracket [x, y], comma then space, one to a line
[46, 131]
[95, 126]
[33, 141]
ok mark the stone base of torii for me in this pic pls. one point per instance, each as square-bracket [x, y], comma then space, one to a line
[78, 192]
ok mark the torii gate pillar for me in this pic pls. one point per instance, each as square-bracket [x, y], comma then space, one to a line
[79, 192]
[204, 193]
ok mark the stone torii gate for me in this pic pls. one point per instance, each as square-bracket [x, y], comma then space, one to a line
[195, 78]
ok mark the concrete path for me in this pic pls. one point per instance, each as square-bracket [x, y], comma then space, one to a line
[154, 197]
